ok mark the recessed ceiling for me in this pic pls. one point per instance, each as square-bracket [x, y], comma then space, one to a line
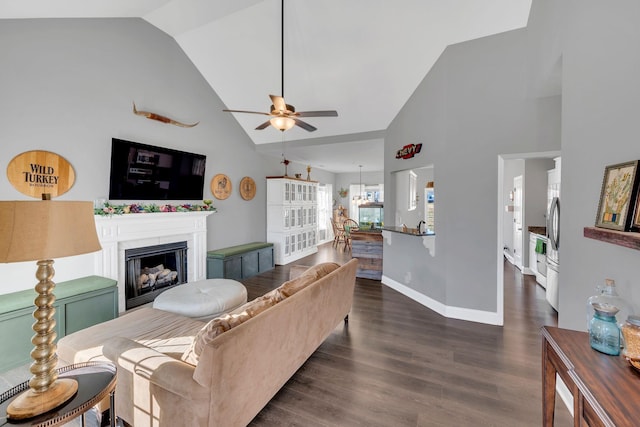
[363, 58]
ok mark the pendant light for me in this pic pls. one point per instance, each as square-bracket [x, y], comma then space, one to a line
[359, 199]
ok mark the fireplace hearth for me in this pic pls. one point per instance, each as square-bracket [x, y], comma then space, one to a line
[151, 270]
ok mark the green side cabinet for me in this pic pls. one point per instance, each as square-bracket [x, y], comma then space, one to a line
[80, 303]
[240, 262]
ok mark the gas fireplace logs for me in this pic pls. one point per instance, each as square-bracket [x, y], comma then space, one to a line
[156, 277]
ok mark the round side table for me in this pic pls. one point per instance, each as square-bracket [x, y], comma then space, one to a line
[96, 380]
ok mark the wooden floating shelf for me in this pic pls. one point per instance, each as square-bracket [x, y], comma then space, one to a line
[627, 239]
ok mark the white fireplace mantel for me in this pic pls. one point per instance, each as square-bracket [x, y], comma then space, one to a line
[120, 232]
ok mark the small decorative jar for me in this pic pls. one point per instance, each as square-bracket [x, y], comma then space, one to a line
[604, 333]
[631, 334]
[606, 294]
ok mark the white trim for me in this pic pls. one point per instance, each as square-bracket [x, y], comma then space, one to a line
[500, 248]
[508, 256]
[442, 309]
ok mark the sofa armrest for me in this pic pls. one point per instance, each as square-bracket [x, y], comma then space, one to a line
[166, 372]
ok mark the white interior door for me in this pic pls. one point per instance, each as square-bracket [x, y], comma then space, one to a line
[517, 222]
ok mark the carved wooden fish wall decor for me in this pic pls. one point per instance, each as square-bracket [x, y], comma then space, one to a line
[163, 119]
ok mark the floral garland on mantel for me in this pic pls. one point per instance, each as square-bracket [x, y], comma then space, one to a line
[108, 209]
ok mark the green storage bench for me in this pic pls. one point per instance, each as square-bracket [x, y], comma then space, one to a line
[80, 303]
[240, 262]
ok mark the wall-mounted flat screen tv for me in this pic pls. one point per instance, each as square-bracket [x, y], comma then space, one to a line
[146, 172]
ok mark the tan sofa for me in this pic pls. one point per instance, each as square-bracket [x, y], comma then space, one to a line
[236, 372]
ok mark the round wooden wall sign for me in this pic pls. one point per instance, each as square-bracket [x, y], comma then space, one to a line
[247, 188]
[34, 173]
[221, 186]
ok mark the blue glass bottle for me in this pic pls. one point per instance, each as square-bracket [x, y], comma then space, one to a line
[604, 333]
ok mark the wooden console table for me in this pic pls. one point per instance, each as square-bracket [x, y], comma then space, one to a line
[605, 389]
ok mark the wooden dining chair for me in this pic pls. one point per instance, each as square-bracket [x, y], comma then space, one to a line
[352, 224]
[349, 225]
[338, 233]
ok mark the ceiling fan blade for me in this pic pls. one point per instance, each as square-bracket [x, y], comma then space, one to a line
[278, 102]
[264, 125]
[304, 125]
[326, 113]
[249, 112]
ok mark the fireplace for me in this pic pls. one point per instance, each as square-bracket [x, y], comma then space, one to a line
[119, 233]
[151, 270]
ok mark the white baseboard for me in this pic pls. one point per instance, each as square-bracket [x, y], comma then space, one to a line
[542, 280]
[509, 257]
[471, 315]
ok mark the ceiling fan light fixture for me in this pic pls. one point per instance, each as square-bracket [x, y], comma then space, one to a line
[282, 123]
[284, 116]
[289, 109]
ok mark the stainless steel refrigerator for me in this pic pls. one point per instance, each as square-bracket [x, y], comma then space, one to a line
[553, 235]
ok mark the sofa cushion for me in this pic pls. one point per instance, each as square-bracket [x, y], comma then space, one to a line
[312, 274]
[321, 270]
[162, 331]
[290, 287]
[236, 250]
[223, 323]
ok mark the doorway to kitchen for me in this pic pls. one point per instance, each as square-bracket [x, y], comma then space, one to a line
[533, 169]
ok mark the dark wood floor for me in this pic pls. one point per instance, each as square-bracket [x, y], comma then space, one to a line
[398, 363]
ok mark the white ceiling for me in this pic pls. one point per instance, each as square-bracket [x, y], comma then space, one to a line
[363, 58]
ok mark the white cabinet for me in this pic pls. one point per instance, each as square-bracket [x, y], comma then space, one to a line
[537, 262]
[292, 218]
[532, 253]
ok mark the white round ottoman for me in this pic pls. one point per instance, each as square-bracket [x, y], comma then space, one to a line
[203, 299]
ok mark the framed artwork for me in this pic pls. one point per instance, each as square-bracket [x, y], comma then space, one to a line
[635, 226]
[221, 186]
[619, 187]
[247, 188]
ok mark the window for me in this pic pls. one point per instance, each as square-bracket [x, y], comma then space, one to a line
[413, 194]
[324, 211]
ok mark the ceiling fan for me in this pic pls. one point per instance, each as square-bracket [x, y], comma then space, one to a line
[284, 116]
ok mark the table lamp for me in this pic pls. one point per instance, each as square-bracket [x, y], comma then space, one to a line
[40, 231]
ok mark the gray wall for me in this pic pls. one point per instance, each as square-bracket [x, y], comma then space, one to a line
[470, 108]
[600, 91]
[68, 86]
[475, 104]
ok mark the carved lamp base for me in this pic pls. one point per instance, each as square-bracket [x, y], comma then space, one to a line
[31, 403]
[46, 391]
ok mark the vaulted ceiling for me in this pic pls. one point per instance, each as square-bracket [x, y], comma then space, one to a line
[363, 58]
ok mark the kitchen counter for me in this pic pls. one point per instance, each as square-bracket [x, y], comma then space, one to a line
[407, 230]
[428, 239]
[537, 230]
